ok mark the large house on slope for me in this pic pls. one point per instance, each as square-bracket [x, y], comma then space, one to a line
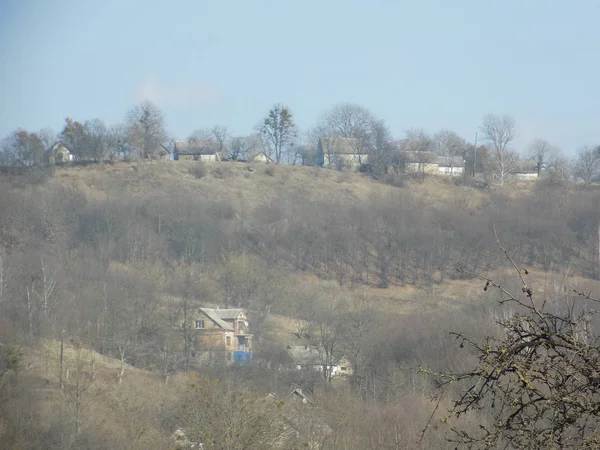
[222, 334]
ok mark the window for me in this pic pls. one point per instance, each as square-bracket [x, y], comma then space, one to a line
[228, 340]
[199, 324]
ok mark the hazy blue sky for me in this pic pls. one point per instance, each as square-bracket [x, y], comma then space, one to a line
[426, 63]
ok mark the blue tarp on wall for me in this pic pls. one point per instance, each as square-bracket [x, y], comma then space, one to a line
[242, 357]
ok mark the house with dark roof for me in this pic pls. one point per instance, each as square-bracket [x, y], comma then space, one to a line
[196, 151]
[223, 332]
[341, 153]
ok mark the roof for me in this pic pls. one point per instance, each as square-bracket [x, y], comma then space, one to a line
[432, 158]
[195, 148]
[525, 165]
[259, 154]
[216, 315]
[448, 161]
[420, 157]
[164, 150]
[231, 313]
[297, 392]
[339, 145]
[305, 355]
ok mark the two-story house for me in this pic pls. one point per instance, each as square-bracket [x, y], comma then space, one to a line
[223, 332]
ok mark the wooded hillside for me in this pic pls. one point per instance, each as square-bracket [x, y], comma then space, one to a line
[112, 253]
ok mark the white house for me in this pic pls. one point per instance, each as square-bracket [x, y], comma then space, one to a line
[307, 357]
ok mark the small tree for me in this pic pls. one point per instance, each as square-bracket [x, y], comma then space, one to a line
[279, 129]
[539, 381]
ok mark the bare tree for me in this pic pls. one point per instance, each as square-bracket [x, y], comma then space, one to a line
[380, 152]
[539, 151]
[221, 136]
[116, 142]
[586, 166]
[146, 129]
[95, 139]
[449, 144]
[351, 121]
[500, 131]
[279, 130]
[420, 144]
[538, 380]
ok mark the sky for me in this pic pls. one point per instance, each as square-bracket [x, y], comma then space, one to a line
[431, 64]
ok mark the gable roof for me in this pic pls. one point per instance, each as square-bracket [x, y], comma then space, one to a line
[212, 315]
[339, 145]
[259, 154]
[163, 150]
[195, 148]
[230, 313]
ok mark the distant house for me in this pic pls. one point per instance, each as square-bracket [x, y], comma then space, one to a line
[260, 157]
[420, 162]
[432, 164]
[59, 154]
[525, 170]
[223, 332]
[341, 153]
[162, 153]
[307, 357]
[195, 151]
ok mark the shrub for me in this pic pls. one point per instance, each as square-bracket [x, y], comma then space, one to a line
[222, 171]
[198, 170]
[270, 170]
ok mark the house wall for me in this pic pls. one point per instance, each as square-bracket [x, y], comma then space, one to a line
[260, 158]
[349, 161]
[428, 168]
[215, 340]
[453, 171]
[526, 176]
[203, 158]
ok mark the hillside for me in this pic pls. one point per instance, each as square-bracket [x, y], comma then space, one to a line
[113, 254]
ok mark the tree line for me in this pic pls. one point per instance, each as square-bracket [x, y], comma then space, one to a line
[144, 134]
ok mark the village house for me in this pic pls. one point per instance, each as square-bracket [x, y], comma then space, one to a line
[341, 153]
[222, 333]
[260, 157]
[195, 151]
[59, 154]
[162, 153]
[307, 357]
[432, 164]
